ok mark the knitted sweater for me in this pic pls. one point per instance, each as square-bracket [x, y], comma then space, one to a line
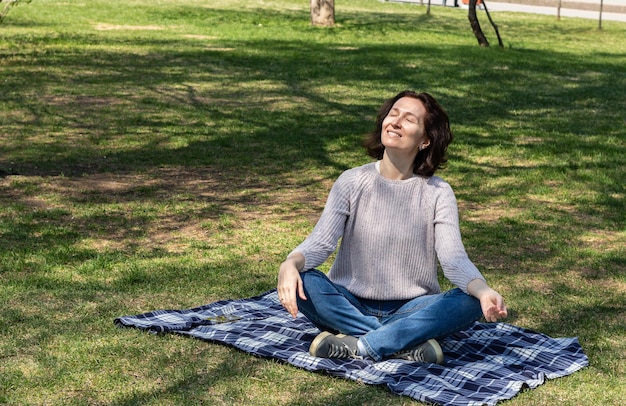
[392, 234]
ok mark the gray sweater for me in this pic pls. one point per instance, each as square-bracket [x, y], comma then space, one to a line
[392, 233]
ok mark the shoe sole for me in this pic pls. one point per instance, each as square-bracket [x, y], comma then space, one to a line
[317, 341]
[438, 350]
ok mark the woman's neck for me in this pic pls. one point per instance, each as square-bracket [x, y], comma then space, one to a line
[396, 168]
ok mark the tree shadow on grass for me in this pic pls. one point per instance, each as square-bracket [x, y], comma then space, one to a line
[289, 126]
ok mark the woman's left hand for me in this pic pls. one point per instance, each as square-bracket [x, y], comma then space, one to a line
[493, 306]
[491, 302]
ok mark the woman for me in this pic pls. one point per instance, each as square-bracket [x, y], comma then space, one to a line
[381, 298]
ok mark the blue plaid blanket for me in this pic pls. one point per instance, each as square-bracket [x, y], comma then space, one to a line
[485, 364]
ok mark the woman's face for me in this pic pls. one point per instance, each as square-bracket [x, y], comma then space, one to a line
[403, 129]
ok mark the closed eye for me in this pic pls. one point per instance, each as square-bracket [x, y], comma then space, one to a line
[406, 116]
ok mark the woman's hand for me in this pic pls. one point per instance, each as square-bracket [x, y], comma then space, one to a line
[491, 301]
[290, 283]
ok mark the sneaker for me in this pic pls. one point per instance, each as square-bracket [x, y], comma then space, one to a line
[429, 352]
[328, 345]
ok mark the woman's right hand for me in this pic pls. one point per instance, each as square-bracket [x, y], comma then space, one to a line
[290, 283]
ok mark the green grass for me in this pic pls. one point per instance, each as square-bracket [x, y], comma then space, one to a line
[167, 154]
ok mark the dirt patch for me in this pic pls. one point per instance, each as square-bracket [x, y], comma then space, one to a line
[604, 240]
[112, 27]
[200, 37]
[491, 212]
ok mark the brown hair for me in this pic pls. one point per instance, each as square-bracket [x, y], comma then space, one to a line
[437, 127]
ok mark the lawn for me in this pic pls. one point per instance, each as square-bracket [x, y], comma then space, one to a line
[168, 154]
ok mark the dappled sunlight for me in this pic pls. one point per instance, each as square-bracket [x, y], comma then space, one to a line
[487, 212]
[174, 210]
[605, 240]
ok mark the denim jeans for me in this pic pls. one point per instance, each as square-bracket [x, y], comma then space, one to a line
[388, 326]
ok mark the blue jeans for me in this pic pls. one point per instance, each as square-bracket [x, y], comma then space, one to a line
[385, 327]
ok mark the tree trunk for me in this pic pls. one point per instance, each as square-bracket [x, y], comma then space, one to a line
[473, 19]
[323, 13]
[493, 24]
[5, 10]
[600, 17]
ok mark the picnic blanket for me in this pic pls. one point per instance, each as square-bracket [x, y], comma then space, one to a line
[484, 364]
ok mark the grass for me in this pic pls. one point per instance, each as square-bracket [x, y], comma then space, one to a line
[169, 154]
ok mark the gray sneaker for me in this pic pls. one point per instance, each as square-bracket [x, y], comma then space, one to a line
[328, 345]
[429, 352]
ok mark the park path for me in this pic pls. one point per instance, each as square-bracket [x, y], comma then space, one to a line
[612, 10]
